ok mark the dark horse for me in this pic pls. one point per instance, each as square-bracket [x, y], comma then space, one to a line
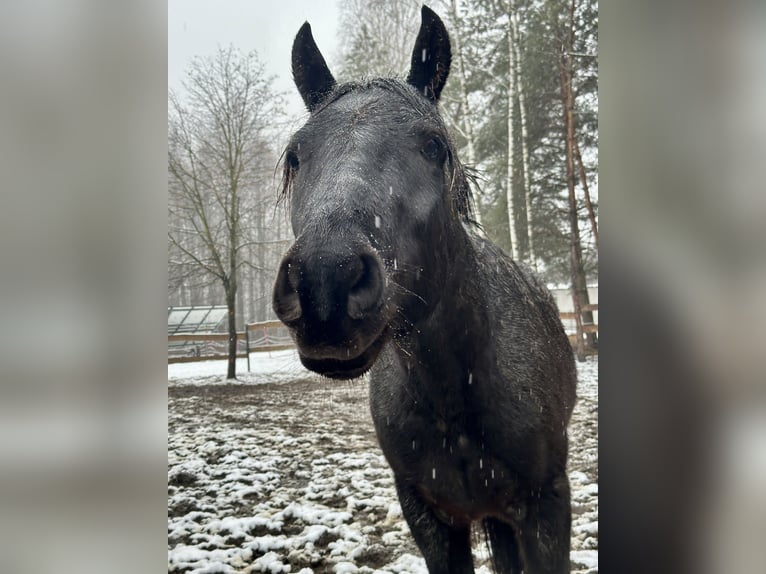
[472, 378]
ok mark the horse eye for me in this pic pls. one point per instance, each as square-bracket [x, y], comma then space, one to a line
[433, 148]
[292, 161]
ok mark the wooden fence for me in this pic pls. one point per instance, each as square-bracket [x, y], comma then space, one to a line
[267, 336]
[185, 348]
[257, 337]
[273, 336]
[568, 319]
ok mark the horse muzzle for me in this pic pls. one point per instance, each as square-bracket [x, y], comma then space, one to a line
[331, 295]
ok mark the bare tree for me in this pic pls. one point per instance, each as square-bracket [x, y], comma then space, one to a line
[377, 37]
[218, 151]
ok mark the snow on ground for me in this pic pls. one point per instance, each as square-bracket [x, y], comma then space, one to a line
[265, 367]
[280, 472]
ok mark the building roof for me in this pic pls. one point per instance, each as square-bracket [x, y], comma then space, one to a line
[195, 319]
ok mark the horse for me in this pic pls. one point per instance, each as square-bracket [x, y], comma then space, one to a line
[471, 375]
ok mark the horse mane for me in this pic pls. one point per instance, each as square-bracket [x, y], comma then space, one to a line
[461, 177]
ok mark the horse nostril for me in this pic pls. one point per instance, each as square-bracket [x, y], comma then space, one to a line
[286, 302]
[361, 277]
[366, 292]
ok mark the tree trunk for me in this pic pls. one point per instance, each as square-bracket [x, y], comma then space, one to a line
[264, 286]
[231, 286]
[231, 298]
[513, 235]
[467, 122]
[575, 253]
[579, 289]
[588, 204]
[524, 135]
[253, 314]
[241, 305]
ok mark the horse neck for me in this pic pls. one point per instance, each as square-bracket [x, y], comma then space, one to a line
[448, 339]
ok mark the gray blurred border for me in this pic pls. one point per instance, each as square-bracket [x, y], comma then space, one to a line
[83, 258]
[83, 289]
[683, 286]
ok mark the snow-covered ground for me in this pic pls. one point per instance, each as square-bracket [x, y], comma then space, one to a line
[280, 472]
[274, 367]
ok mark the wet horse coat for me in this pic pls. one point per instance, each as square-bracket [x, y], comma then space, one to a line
[472, 378]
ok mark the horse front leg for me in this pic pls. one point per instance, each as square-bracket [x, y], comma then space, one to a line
[545, 532]
[501, 536]
[446, 548]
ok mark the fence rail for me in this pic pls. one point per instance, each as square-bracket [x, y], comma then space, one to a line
[568, 319]
[273, 336]
[257, 337]
[585, 309]
[188, 347]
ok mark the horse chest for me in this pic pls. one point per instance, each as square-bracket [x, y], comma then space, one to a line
[462, 473]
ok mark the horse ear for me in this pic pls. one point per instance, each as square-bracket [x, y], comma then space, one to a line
[431, 57]
[310, 71]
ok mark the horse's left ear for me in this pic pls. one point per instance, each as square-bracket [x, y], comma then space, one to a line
[310, 71]
[431, 56]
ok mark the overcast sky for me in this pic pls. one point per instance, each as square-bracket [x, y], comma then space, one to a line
[198, 27]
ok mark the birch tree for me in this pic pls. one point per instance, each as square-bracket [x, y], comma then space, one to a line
[458, 110]
[517, 62]
[511, 106]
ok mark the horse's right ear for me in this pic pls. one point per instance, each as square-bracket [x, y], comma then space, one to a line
[310, 72]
